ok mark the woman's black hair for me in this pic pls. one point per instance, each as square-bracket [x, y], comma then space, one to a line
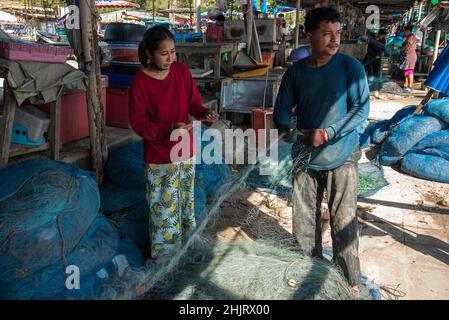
[316, 16]
[151, 41]
[408, 28]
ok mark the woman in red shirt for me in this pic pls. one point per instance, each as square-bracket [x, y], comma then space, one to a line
[162, 96]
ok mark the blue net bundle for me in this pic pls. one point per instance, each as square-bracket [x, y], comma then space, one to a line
[133, 223]
[125, 166]
[45, 208]
[94, 252]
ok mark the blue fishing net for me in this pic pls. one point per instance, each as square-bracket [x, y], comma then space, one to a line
[126, 168]
[94, 252]
[115, 198]
[45, 208]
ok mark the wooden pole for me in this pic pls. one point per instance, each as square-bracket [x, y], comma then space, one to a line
[298, 7]
[198, 16]
[437, 46]
[98, 146]
[190, 13]
[249, 26]
[7, 123]
[420, 10]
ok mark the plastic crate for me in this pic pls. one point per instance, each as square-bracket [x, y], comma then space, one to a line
[268, 58]
[34, 52]
[214, 33]
[74, 116]
[118, 79]
[30, 126]
[117, 107]
[262, 119]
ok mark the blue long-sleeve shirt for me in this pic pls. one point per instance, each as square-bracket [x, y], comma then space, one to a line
[334, 97]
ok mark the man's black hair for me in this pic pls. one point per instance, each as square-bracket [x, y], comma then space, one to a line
[409, 28]
[382, 32]
[316, 16]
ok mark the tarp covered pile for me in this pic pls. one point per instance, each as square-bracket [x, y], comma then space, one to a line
[418, 143]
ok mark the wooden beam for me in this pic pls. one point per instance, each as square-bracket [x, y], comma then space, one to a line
[98, 146]
[436, 46]
[55, 128]
[7, 122]
[249, 26]
[298, 7]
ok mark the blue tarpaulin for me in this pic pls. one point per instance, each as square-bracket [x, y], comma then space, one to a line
[438, 78]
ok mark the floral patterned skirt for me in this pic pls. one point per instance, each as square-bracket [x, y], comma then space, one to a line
[170, 199]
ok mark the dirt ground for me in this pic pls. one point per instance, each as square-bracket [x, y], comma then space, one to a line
[404, 228]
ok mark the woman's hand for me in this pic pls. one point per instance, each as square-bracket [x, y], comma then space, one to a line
[211, 116]
[182, 125]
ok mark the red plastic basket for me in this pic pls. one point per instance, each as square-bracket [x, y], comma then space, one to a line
[262, 119]
[34, 52]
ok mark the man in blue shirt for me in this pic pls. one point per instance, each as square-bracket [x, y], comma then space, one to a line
[331, 95]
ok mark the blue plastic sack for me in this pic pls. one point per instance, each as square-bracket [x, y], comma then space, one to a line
[115, 198]
[438, 108]
[442, 152]
[434, 140]
[401, 115]
[42, 202]
[430, 167]
[126, 167]
[375, 133]
[407, 134]
[94, 252]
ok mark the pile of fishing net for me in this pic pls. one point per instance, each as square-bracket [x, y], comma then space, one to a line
[252, 271]
[49, 220]
[382, 85]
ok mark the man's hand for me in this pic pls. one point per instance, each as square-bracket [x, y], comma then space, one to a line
[314, 137]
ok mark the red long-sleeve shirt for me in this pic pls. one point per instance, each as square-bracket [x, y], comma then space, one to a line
[156, 104]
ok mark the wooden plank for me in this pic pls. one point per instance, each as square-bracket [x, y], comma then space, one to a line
[55, 130]
[205, 46]
[249, 26]
[200, 73]
[18, 150]
[298, 10]
[7, 123]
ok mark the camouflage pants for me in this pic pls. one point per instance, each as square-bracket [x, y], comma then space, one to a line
[341, 185]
